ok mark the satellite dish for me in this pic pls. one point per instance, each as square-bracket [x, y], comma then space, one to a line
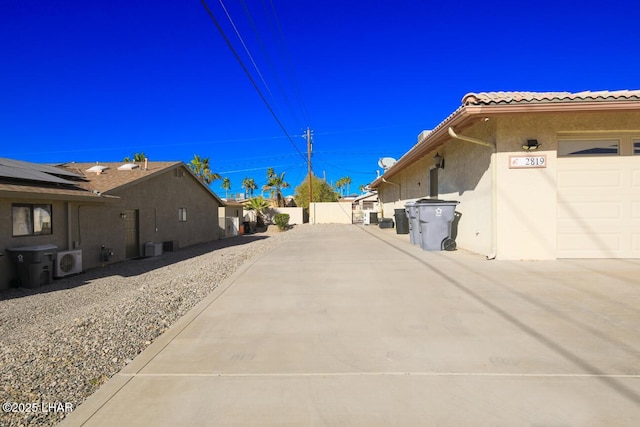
[386, 162]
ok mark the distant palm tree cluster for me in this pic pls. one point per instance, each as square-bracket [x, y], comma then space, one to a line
[342, 183]
[200, 166]
[137, 157]
[201, 169]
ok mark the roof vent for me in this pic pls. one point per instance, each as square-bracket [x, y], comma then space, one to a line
[423, 135]
[128, 167]
[97, 169]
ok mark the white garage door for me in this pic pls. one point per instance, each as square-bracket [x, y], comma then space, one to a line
[598, 204]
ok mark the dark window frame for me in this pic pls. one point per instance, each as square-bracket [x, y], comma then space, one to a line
[43, 230]
[182, 214]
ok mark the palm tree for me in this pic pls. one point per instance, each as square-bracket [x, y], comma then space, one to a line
[200, 167]
[270, 173]
[275, 185]
[343, 182]
[257, 204]
[339, 185]
[226, 184]
[249, 185]
[137, 157]
[347, 181]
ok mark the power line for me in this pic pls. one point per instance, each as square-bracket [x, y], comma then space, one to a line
[244, 68]
[289, 66]
[278, 44]
[246, 49]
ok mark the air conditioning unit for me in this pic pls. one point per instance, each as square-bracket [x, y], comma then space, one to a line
[68, 262]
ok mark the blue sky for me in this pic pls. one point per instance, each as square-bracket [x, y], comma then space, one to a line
[101, 80]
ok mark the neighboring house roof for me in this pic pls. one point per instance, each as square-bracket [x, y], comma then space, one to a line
[372, 195]
[234, 204]
[111, 179]
[72, 181]
[20, 179]
[483, 104]
[26, 190]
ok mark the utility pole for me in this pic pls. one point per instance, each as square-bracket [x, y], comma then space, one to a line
[309, 164]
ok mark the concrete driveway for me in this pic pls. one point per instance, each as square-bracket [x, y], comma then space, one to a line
[353, 326]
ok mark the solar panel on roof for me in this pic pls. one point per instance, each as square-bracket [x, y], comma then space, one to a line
[31, 175]
[16, 169]
[18, 164]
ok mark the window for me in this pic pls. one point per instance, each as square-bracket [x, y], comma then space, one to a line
[182, 214]
[31, 220]
[602, 147]
[636, 147]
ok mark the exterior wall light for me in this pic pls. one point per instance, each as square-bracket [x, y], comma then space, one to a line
[123, 215]
[438, 161]
[531, 145]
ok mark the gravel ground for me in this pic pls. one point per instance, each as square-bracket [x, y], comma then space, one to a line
[59, 343]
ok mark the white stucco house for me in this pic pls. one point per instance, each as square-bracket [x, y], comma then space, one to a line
[538, 175]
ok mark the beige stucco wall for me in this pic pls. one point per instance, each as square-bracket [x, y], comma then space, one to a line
[466, 177]
[58, 236]
[157, 200]
[330, 213]
[527, 198]
[296, 215]
[525, 204]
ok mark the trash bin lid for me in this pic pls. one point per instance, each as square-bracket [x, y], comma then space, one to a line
[37, 248]
[435, 201]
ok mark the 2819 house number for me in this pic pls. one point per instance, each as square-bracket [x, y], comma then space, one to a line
[519, 162]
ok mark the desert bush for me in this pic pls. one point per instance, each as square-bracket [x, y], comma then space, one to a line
[281, 220]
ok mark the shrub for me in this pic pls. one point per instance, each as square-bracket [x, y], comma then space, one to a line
[281, 220]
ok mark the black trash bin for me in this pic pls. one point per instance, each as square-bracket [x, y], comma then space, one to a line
[246, 227]
[402, 221]
[385, 223]
[34, 264]
[435, 218]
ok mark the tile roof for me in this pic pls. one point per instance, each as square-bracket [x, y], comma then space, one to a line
[494, 98]
[112, 178]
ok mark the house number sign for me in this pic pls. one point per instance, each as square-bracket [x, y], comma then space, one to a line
[525, 162]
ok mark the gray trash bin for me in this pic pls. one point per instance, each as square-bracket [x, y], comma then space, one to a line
[34, 264]
[435, 218]
[414, 225]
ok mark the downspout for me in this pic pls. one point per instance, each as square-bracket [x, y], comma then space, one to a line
[494, 186]
[69, 244]
[453, 134]
[399, 193]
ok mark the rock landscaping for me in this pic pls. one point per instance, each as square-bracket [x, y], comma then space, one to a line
[60, 342]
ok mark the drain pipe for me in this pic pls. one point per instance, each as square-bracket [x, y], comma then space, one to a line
[494, 186]
[454, 135]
